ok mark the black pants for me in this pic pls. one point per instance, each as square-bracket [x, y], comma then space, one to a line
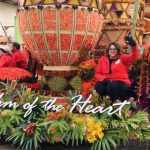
[115, 89]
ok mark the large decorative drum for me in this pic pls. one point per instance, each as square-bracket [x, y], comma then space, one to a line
[60, 33]
[118, 22]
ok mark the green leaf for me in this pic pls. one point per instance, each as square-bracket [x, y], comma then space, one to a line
[68, 138]
[22, 139]
[95, 145]
[104, 144]
[107, 144]
[73, 137]
[99, 145]
[112, 142]
[149, 50]
[27, 145]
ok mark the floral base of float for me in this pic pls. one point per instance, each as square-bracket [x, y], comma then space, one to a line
[75, 130]
[57, 80]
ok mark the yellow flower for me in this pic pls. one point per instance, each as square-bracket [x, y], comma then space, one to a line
[100, 135]
[94, 129]
[90, 138]
[13, 84]
[104, 125]
[28, 92]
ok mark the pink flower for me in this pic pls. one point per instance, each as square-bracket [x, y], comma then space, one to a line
[107, 97]
[72, 126]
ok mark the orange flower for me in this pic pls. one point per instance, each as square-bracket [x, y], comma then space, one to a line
[57, 139]
[4, 114]
[87, 86]
[52, 130]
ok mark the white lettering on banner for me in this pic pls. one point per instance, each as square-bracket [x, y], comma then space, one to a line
[9, 103]
[99, 109]
[29, 107]
[49, 105]
[84, 105]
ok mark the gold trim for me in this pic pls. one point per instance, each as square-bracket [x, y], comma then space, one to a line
[60, 68]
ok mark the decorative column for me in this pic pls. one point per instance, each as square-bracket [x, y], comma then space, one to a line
[118, 22]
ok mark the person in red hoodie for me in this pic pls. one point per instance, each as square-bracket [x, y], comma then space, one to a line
[19, 58]
[112, 71]
[6, 59]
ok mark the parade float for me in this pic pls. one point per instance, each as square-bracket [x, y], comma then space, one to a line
[59, 34]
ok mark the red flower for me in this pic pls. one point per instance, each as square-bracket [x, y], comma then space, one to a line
[39, 40]
[81, 20]
[49, 19]
[22, 16]
[78, 41]
[35, 19]
[13, 73]
[29, 129]
[94, 22]
[66, 19]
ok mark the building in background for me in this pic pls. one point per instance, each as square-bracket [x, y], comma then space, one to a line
[8, 19]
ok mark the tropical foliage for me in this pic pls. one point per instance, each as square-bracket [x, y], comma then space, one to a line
[43, 124]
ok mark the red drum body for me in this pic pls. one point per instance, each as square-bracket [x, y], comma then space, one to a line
[60, 33]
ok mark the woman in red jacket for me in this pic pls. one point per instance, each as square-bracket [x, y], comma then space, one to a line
[6, 59]
[112, 71]
[18, 56]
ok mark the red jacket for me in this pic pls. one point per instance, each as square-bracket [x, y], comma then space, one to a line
[7, 61]
[20, 59]
[119, 67]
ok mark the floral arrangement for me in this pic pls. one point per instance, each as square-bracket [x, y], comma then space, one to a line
[101, 131]
[139, 75]
[13, 73]
[86, 72]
